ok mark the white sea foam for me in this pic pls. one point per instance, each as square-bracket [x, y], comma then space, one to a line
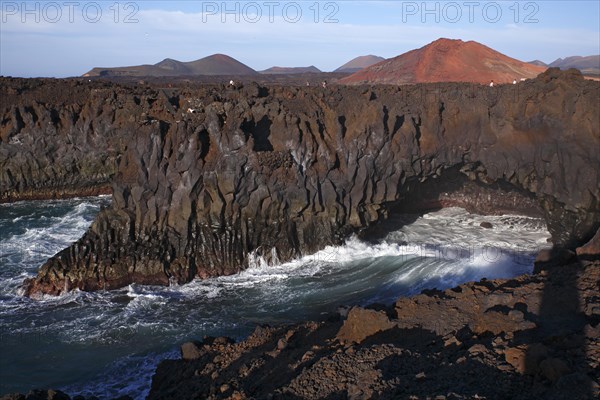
[450, 235]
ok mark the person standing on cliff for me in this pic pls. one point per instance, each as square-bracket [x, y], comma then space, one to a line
[492, 83]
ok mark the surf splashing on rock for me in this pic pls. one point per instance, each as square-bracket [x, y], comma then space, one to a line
[108, 343]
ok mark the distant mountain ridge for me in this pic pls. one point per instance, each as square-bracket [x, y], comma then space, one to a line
[437, 62]
[538, 63]
[216, 64]
[358, 63]
[446, 60]
[587, 65]
[291, 70]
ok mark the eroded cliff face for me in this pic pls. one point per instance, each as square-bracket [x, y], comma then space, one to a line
[55, 140]
[218, 174]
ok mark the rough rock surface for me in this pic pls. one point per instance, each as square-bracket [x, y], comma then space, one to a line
[362, 323]
[214, 176]
[531, 337]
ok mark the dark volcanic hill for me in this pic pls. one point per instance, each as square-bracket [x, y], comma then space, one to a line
[446, 60]
[589, 65]
[217, 64]
[291, 70]
[358, 63]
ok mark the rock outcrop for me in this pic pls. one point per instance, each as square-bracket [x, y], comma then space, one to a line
[221, 175]
[64, 138]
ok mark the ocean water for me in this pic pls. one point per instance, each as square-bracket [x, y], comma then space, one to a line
[109, 343]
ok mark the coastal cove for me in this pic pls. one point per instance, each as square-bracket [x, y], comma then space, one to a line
[123, 334]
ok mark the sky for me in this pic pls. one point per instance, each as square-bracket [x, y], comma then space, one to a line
[69, 37]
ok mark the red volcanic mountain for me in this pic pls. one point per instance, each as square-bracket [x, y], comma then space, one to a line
[217, 64]
[446, 60]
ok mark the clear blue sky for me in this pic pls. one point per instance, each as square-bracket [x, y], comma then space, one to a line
[69, 37]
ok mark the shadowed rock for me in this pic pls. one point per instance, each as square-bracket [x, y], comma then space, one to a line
[362, 323]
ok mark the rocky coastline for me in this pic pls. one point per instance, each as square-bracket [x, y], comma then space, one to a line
[204, 177]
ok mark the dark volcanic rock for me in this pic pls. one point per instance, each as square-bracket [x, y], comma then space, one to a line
[217, 176]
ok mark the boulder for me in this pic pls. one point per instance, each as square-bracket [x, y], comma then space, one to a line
[526, 359]
[191, 351]
[362, 323]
